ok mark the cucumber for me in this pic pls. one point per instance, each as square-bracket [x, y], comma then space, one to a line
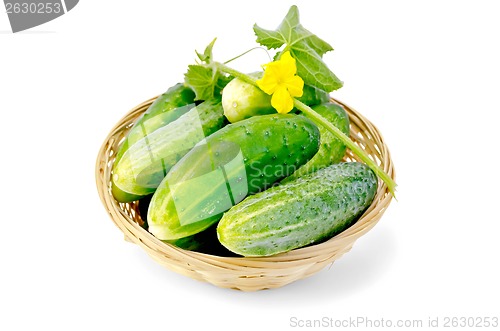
[145, 163]
[176, 96]
[241, 159]
[305, 211]
[331, 149]
[168, 107]
[313, 96]
[243, 100]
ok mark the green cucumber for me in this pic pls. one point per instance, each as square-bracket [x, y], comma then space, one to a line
[145, 163]
[243, 100]
[168, 107]
[176, 96]
[241, 159]
[331, 150]
[301, 212]
[313, 96]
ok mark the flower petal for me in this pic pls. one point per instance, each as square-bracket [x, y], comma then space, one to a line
[295, 86]
[278, 71]
[281, 100]
[268, 82]
[287, 63]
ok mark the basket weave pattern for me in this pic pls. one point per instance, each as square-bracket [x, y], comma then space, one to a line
[247, 274]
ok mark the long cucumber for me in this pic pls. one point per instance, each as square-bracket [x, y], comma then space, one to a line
[145, 163]
[301, 212]
[241, 159]
[168, 107]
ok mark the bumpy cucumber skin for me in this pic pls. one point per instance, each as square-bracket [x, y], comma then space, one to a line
[307, 210]
[168, 107]
[144, 165]
[331, 149]
[272, 147]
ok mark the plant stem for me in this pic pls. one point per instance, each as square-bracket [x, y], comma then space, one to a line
[251, 49]
[348, 142]
[324, 122]
[235, 73]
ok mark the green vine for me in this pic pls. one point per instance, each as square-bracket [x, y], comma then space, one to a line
[325, 123]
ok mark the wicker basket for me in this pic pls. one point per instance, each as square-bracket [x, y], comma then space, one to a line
[247, 274]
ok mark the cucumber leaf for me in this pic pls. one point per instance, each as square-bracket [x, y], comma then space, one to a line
[205, 79]
[207, 54]
[201, 79]
[307, 49]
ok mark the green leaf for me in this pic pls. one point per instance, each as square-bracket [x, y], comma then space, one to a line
[202, 80]
[306, 37]
[311, 68]
[206, 80]
[289, 23]
[307, 49]
[222, 81]
[207, 54]
[270, 39]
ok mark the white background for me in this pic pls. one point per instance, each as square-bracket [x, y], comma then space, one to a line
[425, 72]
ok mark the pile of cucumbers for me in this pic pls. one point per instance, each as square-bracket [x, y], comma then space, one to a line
[230, 178]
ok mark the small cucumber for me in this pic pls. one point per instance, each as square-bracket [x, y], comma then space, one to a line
[331, 149]
[145, 163]
[241, 159]
[243, 100]
[304, 211]
[168, 107]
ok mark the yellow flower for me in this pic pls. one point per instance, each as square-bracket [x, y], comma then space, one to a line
[280, 81]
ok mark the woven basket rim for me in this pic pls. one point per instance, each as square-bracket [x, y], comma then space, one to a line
[209, 267]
